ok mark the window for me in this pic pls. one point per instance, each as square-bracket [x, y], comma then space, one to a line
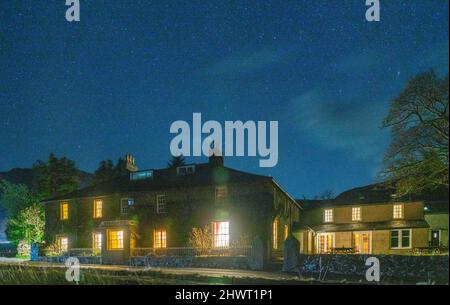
[401, 239]
[98, 208]
[115, 239]
[398, 211]
[160, 239]
[125, 204]
[64, 210]
[221, 234]
[286, 232]
[185, 170]
[362, 242]
[141, 175]
[161, 204]
[325, 242]
[221, 192]
[356, 214]
[63, 243]
[275, 234]
[328, 215]
[97, 241]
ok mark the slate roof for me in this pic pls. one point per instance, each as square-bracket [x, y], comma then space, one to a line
[205, 174]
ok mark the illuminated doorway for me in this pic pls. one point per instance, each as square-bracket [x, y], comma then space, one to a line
[362, 242]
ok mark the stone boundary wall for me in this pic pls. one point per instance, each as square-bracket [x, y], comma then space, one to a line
[411, 268]
[61, 259]
[219, 262]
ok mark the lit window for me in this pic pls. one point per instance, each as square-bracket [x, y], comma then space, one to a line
[160, 239]
[401, 239]
[275, 234]
[63, 243]
[328, 215]
[398, 211]
[97, 241]
[221, 192]
[356, 214]
[325, 242]
[286, 232]
[98, 208]
[115, 240]
[161, 204]
[64, 210]
[147, 174]
[221, 234]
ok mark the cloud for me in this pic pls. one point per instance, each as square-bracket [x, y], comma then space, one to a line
[337, 123]
[246, 62]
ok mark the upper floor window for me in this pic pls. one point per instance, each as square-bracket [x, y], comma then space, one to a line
[64, 210]
[115, 239]
[401, 239]
[398, 211]
[98, 208]
[141, 175]
[356, 214]
[125, 204]
[221, 192]
[160, 239]
[185, 170]
[328, 215]
[161, 204]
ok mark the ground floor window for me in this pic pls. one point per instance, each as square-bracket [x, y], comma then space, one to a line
[325, 242]
[221, 234]
[401, 239]
[362, 242]
[275, 234]
[97, 241]
[63, 243]
[115, 239]
[160, 239]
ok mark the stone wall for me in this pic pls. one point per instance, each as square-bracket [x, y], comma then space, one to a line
[220, 262]
[392, 267]
[62, 259]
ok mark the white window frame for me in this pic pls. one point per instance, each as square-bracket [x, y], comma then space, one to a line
[161, 207]
[333, 236]
[370, 240]
[402, 211]
[328, 218]
[221, 239]
[94, 235]
[122, 210]
[359, 214]
[400, 237]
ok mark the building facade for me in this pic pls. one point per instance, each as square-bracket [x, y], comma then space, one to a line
[159, 208]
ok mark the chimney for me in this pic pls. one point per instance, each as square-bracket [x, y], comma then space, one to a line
[130, 162]
[215, 156]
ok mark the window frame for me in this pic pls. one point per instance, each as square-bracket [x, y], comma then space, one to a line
[120, 241]
[125, 211]
[275, 231]
[95, 214]
[330, 215]
[159, 209]
[221, 192]
[62, 211]
[400, 239]
[96, 242]
[159, 238]
[221, 240]
[59, 238]
[402, 211]
[358, 214]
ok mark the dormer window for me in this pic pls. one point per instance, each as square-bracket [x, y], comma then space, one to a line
[185, 170]
[147, 174]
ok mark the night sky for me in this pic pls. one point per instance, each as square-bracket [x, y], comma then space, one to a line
[114, 82]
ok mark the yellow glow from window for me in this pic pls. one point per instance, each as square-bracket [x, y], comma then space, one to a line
[328, 215]
[160, 239]
[275, 234]
[115, 239]
[98, 208]
[356, 214]
[63, 243]
[97, 241]
[398, 211]
[286, 232]
[64, 210]
[221, 234]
